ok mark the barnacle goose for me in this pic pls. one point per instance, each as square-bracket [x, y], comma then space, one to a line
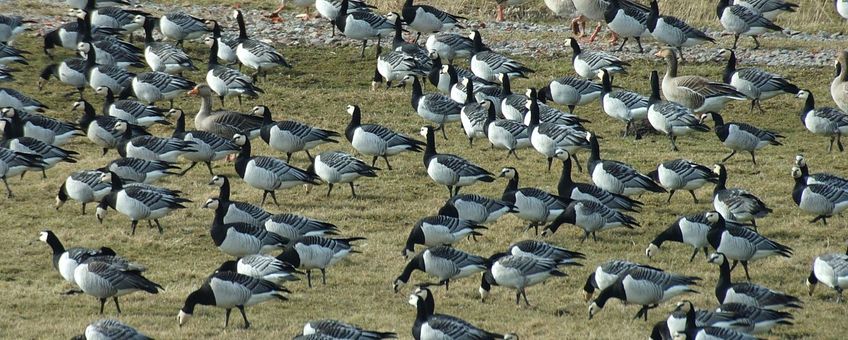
[70, 71]
[291, 136]
[124, 19]
[396, 65]
[103, 281]
[570, 91]
[240, 239]
[476, 208]
[548, 251]
[820, 200]
[592, 217]
[669, 117]
[685, 316]
[66, 260]
[452, 171]
[623, 105]
[627, 20]
[136, 170]
[646, 287]
[763, 319]
[697, 93]
[682, 174]
[362, 25]
[449, 79]
[237, 211]
[517, 272]
[261, 267]
[825, 121]
[103, 130]
[110, 52]
[428, 19]
[151, 148]
[606, 274]
[150, 87]
[474, 115]
[19, 101]
[6, 73]
[672, 31]
[747, 293]
[111, 329]
[584, 191]
[377, 140]
[317, 252]
[819, 178]
[689, 229]
[756, 84]
[115, 78]
[512, 106]
[533, 205]
[162, 56]
[139, 202]
[256, 54]
[487, 64]
[343, 330]
[268, 173]
[450, 46]
[13, 163]
[131, 111]
[768, 8]
[340, 167]
[180, 26]
[223, 123]
[742, 136]
[230, 290]
[12, 26]
[740, 20]
[50, 155]
[589, 63]
[617, 177]
[208, 147]
[435, 107]
[439, 230]
[226, 44]
[741, 244]
[506, 134]
[431, 326]
[83, 186]
[547, 138]
[330, 9]
[43, 128]
[443, 262]
[832, 271]
[81, 4]
[294, 227]
[736, 205]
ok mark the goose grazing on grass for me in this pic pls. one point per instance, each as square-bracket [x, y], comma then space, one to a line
[13, 163]
[222, 123]
[151, 87]
[377, 140]
[450, 46]
[756, 84]
[747, 293]
[517, 272]
[542, 250]
[290, 136]
[256, 54]
[240, 239]
[111, 329]
[740, 20]
[570, 91]
[136, 170]
[682, 174]
[435, 107]
[261, 267]
[736, 205]
[623, 105]
[152, 148]
[533, 205]
[487, 64]
[104, 281]
[70, 71]
[208, 147]
[362, 25]
[428, 19]
[694, 92]
[317, 252]
[66, 260]
[819, 178]
[131, 111]
[689, 229]
[832, 271]
[646, 287]
[547, 138]
[839, 85]
[13, 138]
[230, 290]
[452, 171]
[475, 208]
[267, 173]
[180, 26]
[439, 230]
[343, 330]
[769, 9]
[13, 99]
[588, 64]
[236, 211]
[139, 202]
[627, 20]
[162, 56]
[445, 263]
[225, 81]
[669, 117]
[592, 217]
[431, 326]
[742, 136]
[607, 274]
[685, 316]
[741, 244]
[672, 31]
[340, 167]
[617, 177]
[83, 186]
[763, 319]
[584, 191]
[821, 200]
[104, 131]
[825, 121]
[43, 128]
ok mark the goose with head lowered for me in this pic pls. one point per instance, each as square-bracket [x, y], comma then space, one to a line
[547, 138]
[452, 171]
[340, 167]
[83, 186]
[543, 250]
[760, 320]
[584, 191]
[394, 66]
[225, 81]
[822, 200]
[223, 123]
[70, 71]
[264, 267]
[669, 117]
[742, 136]
[439, 230]
[226, 44]
[697, 93]
[736, 205]
[237, 211]
[487, 64]
[240, 239]
[592, 217]
[377, 140]
[428, 19]
[13, 138]
[130, 110]
[825, 121]
[740, 20]
[682, 174]
[588, 64]
[434, 107]
[672, 31]
[690, 229]
[317, 252]
[362, 25]
[475, 208]
[443, 262]
[342, 330]
[830, 270]
[645, 287]
[623, 105]
[446, 77]
[139, 202]
[617, 177]
[607, 274]
[819, 178]
[230, 290]
[532, 204]
[685, 316]
[256, 54]
[208, 147]
[111, 329]
[291, 136]
[742, 244]
[449, 46]
[431, 326]
[103, 280]
[570, 91]
[517, 272]
[136, 170]
[756, 84]
[267, 173]
[747, 293]
[104, 131]
[43, 128]
[152, 148]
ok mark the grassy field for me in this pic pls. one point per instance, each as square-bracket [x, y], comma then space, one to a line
[359, 290]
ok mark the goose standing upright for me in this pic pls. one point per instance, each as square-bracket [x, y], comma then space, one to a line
[533, 205]
[180, 26]
[225, 81]
[230, 290]
[377, 140]
[111, 76]
[742, 136]
[694, 92]
[646, 287]
[443, 262]
[742, 244]
[291, 136]
[237, 211]
[435, 107]
[162, 56]
[747, 293]
[825, 121]
[208, 147]
[547, 138]
[43, 128]
[103, 281]
[821, 200]
[256, 54]
[340, 167]
[627, 20]
[570, 91]
[839, 85]
[240, 239]
[317, 252]
[13, 138]
[682, 174]
[740, 20]
[452, 171]
[487, 64]
[672, 31]
[131, 111]
[506, 134]
[428, 19]
[517, 272]
[617, 177]
[623, 105]
[819, 178]
[756, 84]
[362, 25]
[736, 205]
[832, 271]
[431, 326]
[139, 202]
[267, 173]
[584, 191]
[588, 64]
[690, 229]
[226, 124]
[669, 117]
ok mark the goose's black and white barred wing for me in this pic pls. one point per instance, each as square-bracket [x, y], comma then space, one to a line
[345, 163]
[488, 203]
[454, 225]
[263, 52]
[257, 213]
[672, 110]
[237, 121]
[282, 170]
[187, 22]
[551, 201]
[687, 31]
[458, 257]
[582, 86]
[599, 209]
[763, 135]
[499, 63]
[336, 245]
[626, 174]
[390, 137]
[632, 100]
[460, 165]
[544, 250]
[165, 82]
[764, 296]
[514, 128]
[168, 54]
[138, 165]
[48, 152]
[740, 201]
[303, 226]
[833, 115]
[304, 132]
[758, 241]
[599, 60]
[689, 171]
[455, 328]
[265, 265]
[376, 21]
[662, 279]
[718, 333]
[831, 193]
[19, 101]
[250, 285]
[764, 81]
[91, 178]
[232, 78]
[564, 135]
[401, 62]
[120, 280]
[441, 103]
[214, 141]
[528, 265]
[153, 198]
[161, 145]
[113, 329]
[341, 330]
[750, 17]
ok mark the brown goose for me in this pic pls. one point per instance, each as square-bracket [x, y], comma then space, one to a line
[839, 86]
[222, 123]
[697, 93]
